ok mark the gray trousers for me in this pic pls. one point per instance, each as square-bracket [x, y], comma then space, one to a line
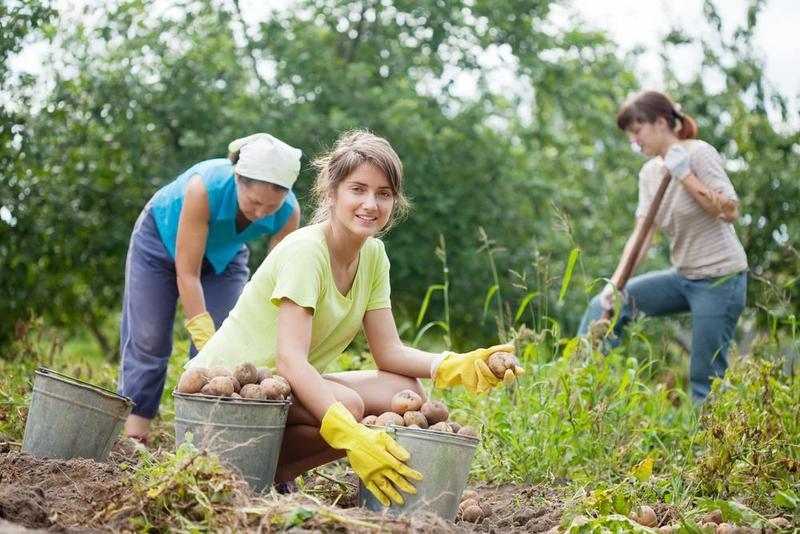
[148, 311]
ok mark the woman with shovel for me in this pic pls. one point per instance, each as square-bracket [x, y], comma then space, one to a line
[188, 244]
[698, 206]
[310, 298]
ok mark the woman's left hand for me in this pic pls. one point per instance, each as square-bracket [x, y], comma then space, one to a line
[471, 370]
[676, 160]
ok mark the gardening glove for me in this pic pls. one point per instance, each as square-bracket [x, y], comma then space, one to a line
[375, 457]
[201, 328]
[470, 370]
[676, 160]
[607, 296]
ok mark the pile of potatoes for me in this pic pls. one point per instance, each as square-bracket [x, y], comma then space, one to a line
[245, 382]
[710, 522]
[409, 411]
[472, 509]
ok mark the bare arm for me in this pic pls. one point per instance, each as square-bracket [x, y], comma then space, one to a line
[717, 204]
[628, 250]
[292, 224]
[291, 361]
[389, 352]
[190, 246]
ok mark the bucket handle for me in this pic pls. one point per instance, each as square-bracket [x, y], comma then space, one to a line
[44, 371]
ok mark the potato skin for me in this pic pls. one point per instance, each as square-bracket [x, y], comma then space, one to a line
[469, 494]
[434, 412]
[441, 426]
[272, 389]
[500, 361]
[252, 391]
[467, 430]
[406, 400]
[370, 420]
[222, 386]
[263, 372]
[218, 371]
[237, 386]
[235, 395]
[191, 381]
[246, 373]
[472, 514]
[208, 390]
[286, 388]
[415, 418]
[386, 418]
[455, 426]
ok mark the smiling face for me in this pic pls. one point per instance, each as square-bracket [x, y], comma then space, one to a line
[362, 203]
[653, 138]
[258, 199]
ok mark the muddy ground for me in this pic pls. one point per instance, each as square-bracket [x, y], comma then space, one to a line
[75, 496]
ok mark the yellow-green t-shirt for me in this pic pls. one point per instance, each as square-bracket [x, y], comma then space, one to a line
[299, 269]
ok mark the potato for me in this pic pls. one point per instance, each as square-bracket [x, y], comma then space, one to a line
[455, 426]
[466, 503]
[724, 528]
[208, 390]
[370, 420]
[192, 381]
[469, 494]
[500, 361]
[472, 514]
[237, 386]
[235, 395]
[779, 523]
[263, 372]
[715, 516]
[645, 515]
[218, 371]
[272, 389]
[415, 418]
[434, 412]
[412, 425]
[405, 401]
[246, 373]
[666, 529]
[222, 386]
[252, 391]
[487, 510]
[441, 426]
[467, 430]
[387, 418]
[286, 388]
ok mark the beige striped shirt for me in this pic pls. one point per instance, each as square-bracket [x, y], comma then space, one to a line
[701, 245]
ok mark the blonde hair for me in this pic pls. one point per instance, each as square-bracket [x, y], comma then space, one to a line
[351, 150]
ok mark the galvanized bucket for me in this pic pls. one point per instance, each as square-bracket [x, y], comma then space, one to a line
[70, 418]
[246, 433]
[443, 459]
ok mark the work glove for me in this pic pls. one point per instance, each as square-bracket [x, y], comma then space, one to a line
[375, 457]
[676, 160]
[607, 296]
[470, 370]
[201, 328]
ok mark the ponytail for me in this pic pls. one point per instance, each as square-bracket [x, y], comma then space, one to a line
[649, 106]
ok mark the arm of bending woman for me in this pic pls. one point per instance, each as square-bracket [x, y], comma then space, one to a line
[716, 204]
[291, 359]
[389, 352]
[190, 246]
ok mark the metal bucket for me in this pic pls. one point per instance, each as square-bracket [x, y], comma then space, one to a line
[70, 418]
[246, 433]
[443, 459]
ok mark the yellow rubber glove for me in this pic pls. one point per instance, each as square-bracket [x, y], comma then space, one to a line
[470, 370]
[375, 457]
[201, 328]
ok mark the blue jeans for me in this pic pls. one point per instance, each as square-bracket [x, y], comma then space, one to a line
[715, 309]
[148, 311]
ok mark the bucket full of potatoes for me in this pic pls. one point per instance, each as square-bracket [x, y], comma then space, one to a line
[239, 414]
[441, 449]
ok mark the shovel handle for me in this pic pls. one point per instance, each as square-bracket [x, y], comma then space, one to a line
[627, 269]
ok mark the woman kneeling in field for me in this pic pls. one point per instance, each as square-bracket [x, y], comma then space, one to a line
[309, 299]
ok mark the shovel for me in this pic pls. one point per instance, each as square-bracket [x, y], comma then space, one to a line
[627, 269]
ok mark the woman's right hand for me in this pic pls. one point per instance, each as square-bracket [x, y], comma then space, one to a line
[607, 296]
[375, 457]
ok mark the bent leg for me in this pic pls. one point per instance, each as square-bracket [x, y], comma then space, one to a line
[715, 313]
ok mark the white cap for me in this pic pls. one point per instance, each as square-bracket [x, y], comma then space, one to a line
[267, 158]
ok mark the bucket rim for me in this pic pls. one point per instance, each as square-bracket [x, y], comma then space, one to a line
[44, 372]
[199, 397]
[433, 434]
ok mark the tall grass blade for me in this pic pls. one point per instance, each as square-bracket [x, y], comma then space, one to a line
[522, 305]
[573, 257]
[489, 295]
[426, 301]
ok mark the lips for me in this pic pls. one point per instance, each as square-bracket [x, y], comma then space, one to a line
[366, 218]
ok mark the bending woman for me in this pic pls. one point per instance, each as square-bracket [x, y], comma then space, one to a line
[309, 299]
[188, 243]
[708, 275]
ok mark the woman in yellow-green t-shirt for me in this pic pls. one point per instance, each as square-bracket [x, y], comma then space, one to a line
[307, 302]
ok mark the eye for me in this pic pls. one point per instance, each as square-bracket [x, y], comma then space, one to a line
[385, 194]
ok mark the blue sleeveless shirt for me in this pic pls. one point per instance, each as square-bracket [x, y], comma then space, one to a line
[223, 240]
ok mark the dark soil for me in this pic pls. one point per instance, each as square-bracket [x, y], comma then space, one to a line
[73, 496]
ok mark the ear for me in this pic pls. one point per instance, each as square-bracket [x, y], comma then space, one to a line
[661, 124]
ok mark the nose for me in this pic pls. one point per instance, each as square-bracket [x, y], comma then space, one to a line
[370, 201]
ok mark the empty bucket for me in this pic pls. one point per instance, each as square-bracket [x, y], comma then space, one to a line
[70, 418]
[443, 459]
[246, 433]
